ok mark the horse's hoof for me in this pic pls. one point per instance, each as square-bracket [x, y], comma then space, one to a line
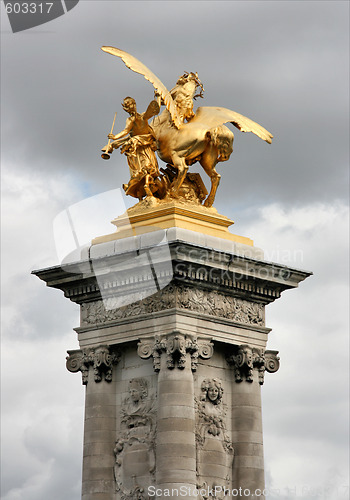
[208, 203]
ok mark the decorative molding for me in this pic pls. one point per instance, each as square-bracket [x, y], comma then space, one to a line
[102, 359]
[180, 296]
[245, 359]
[102, 311]
[176, 346]
[219, 304]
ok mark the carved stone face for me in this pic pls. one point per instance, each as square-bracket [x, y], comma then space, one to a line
[213, 393]
[135, 394]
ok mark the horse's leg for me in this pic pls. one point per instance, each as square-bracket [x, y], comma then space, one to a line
[181, 167]
[148, 180]
[208, 161]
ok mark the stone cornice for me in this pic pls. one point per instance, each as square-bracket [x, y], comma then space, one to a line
[117, 274]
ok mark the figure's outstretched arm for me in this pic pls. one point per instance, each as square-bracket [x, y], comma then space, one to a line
[125, 131]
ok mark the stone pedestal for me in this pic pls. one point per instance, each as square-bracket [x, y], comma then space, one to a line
[173, 355]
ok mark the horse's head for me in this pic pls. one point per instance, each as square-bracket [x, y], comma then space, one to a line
[191, 80]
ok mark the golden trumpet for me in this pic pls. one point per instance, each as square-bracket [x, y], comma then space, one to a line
[105, 154]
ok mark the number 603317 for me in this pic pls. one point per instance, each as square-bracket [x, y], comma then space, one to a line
[28, 8]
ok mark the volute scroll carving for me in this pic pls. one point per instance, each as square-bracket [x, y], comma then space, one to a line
[101, 358]
[176, 346]
[272, 361]
[205, 349]
[245, 359]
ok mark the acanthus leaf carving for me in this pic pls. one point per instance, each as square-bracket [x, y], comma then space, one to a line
[180, 296]
[102, 311]
[216, 303]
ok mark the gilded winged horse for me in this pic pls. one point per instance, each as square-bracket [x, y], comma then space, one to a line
[184, 137]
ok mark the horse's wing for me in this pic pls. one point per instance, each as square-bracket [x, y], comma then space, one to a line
[135, 65]
[213, 117]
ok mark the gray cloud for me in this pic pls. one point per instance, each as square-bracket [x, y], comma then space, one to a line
[283, 64]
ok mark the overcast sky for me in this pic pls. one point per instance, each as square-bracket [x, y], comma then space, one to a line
[285, 65]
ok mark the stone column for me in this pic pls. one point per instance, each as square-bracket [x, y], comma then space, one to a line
[175, 356]
[249, 365]
[96, 366]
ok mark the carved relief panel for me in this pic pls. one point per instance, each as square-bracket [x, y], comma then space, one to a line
[181, 297]
[134, 450]
[214, 448]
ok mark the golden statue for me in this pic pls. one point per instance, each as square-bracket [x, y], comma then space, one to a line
[138, 143]
[180, 136]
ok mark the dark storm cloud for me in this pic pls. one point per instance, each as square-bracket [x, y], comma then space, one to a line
[283, 64]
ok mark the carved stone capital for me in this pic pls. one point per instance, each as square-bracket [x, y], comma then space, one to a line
[100, 358]
[272, 361]
[242, 361]
[245, 359]
[76, 361]
[176, 346]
